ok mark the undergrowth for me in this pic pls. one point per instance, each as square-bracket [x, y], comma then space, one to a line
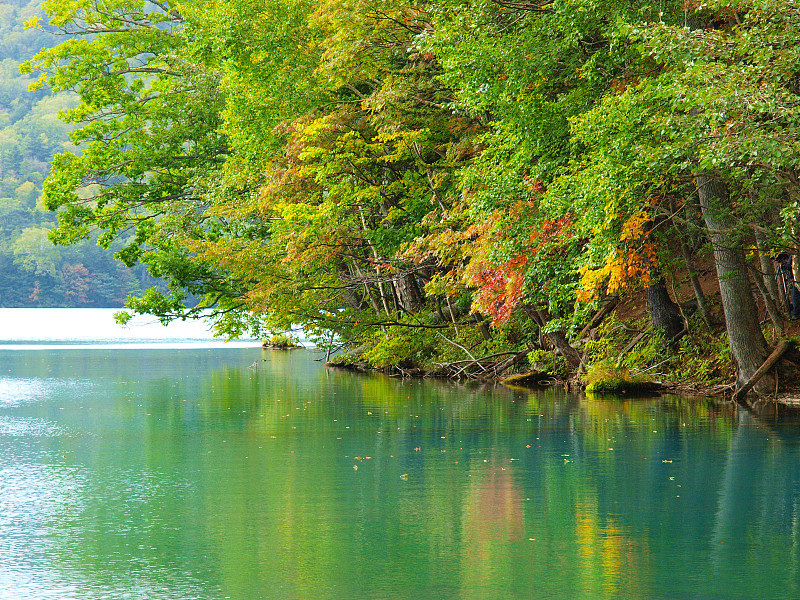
[428, 348]
[701, 358]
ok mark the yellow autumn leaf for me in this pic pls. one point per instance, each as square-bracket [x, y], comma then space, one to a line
[33, 22]
[633, 229]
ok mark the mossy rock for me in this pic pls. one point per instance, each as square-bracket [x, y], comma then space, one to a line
[352, 360]
[618, 385]
[271, 346]
[531, 379]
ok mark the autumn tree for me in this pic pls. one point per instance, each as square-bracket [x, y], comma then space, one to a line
[354, 172]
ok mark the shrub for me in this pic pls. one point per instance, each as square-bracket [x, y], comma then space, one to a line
[406, 349]
[549, 362]
[704, 357]
[282, 340]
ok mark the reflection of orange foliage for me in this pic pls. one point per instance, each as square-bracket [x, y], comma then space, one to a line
[495, 503]
[493, 521]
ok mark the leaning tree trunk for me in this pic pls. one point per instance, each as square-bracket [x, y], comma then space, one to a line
[746, 340]
[686, 252]
[766, 281]
[666, 315]
[702, 303]
[557, 338]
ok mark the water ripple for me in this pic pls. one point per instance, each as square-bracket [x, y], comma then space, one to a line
[29, 427]
[16, 391]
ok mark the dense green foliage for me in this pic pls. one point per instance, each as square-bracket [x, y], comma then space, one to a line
[434, 181]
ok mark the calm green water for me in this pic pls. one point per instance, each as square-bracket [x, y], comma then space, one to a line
[246, 474]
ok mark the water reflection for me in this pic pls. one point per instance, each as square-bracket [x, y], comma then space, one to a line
[259, 475]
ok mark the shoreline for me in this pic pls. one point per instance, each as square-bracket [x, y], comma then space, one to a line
[785, 404]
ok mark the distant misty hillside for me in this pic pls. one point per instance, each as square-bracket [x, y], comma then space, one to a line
[33, 272]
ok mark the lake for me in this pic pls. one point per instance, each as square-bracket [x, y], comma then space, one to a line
[176, 470]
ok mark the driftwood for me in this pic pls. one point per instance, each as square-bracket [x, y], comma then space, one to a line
[488, 365]
[475, 361]
[779, 350]
[608, 305]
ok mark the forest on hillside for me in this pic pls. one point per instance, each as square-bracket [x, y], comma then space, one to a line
[34, 272]
[464, 187]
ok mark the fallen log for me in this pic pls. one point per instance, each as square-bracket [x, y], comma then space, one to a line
[779, 351]
[502, 367]
[635, 341]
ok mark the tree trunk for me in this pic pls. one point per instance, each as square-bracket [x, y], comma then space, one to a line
[409, 293]
[349, 293]
[609, 304]
[747, 342]
[766, 282]
[367, 291]
[767, 268]
[772, 309]
[702, 305]
[557, 338]
[666, 315]
[690, 211]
